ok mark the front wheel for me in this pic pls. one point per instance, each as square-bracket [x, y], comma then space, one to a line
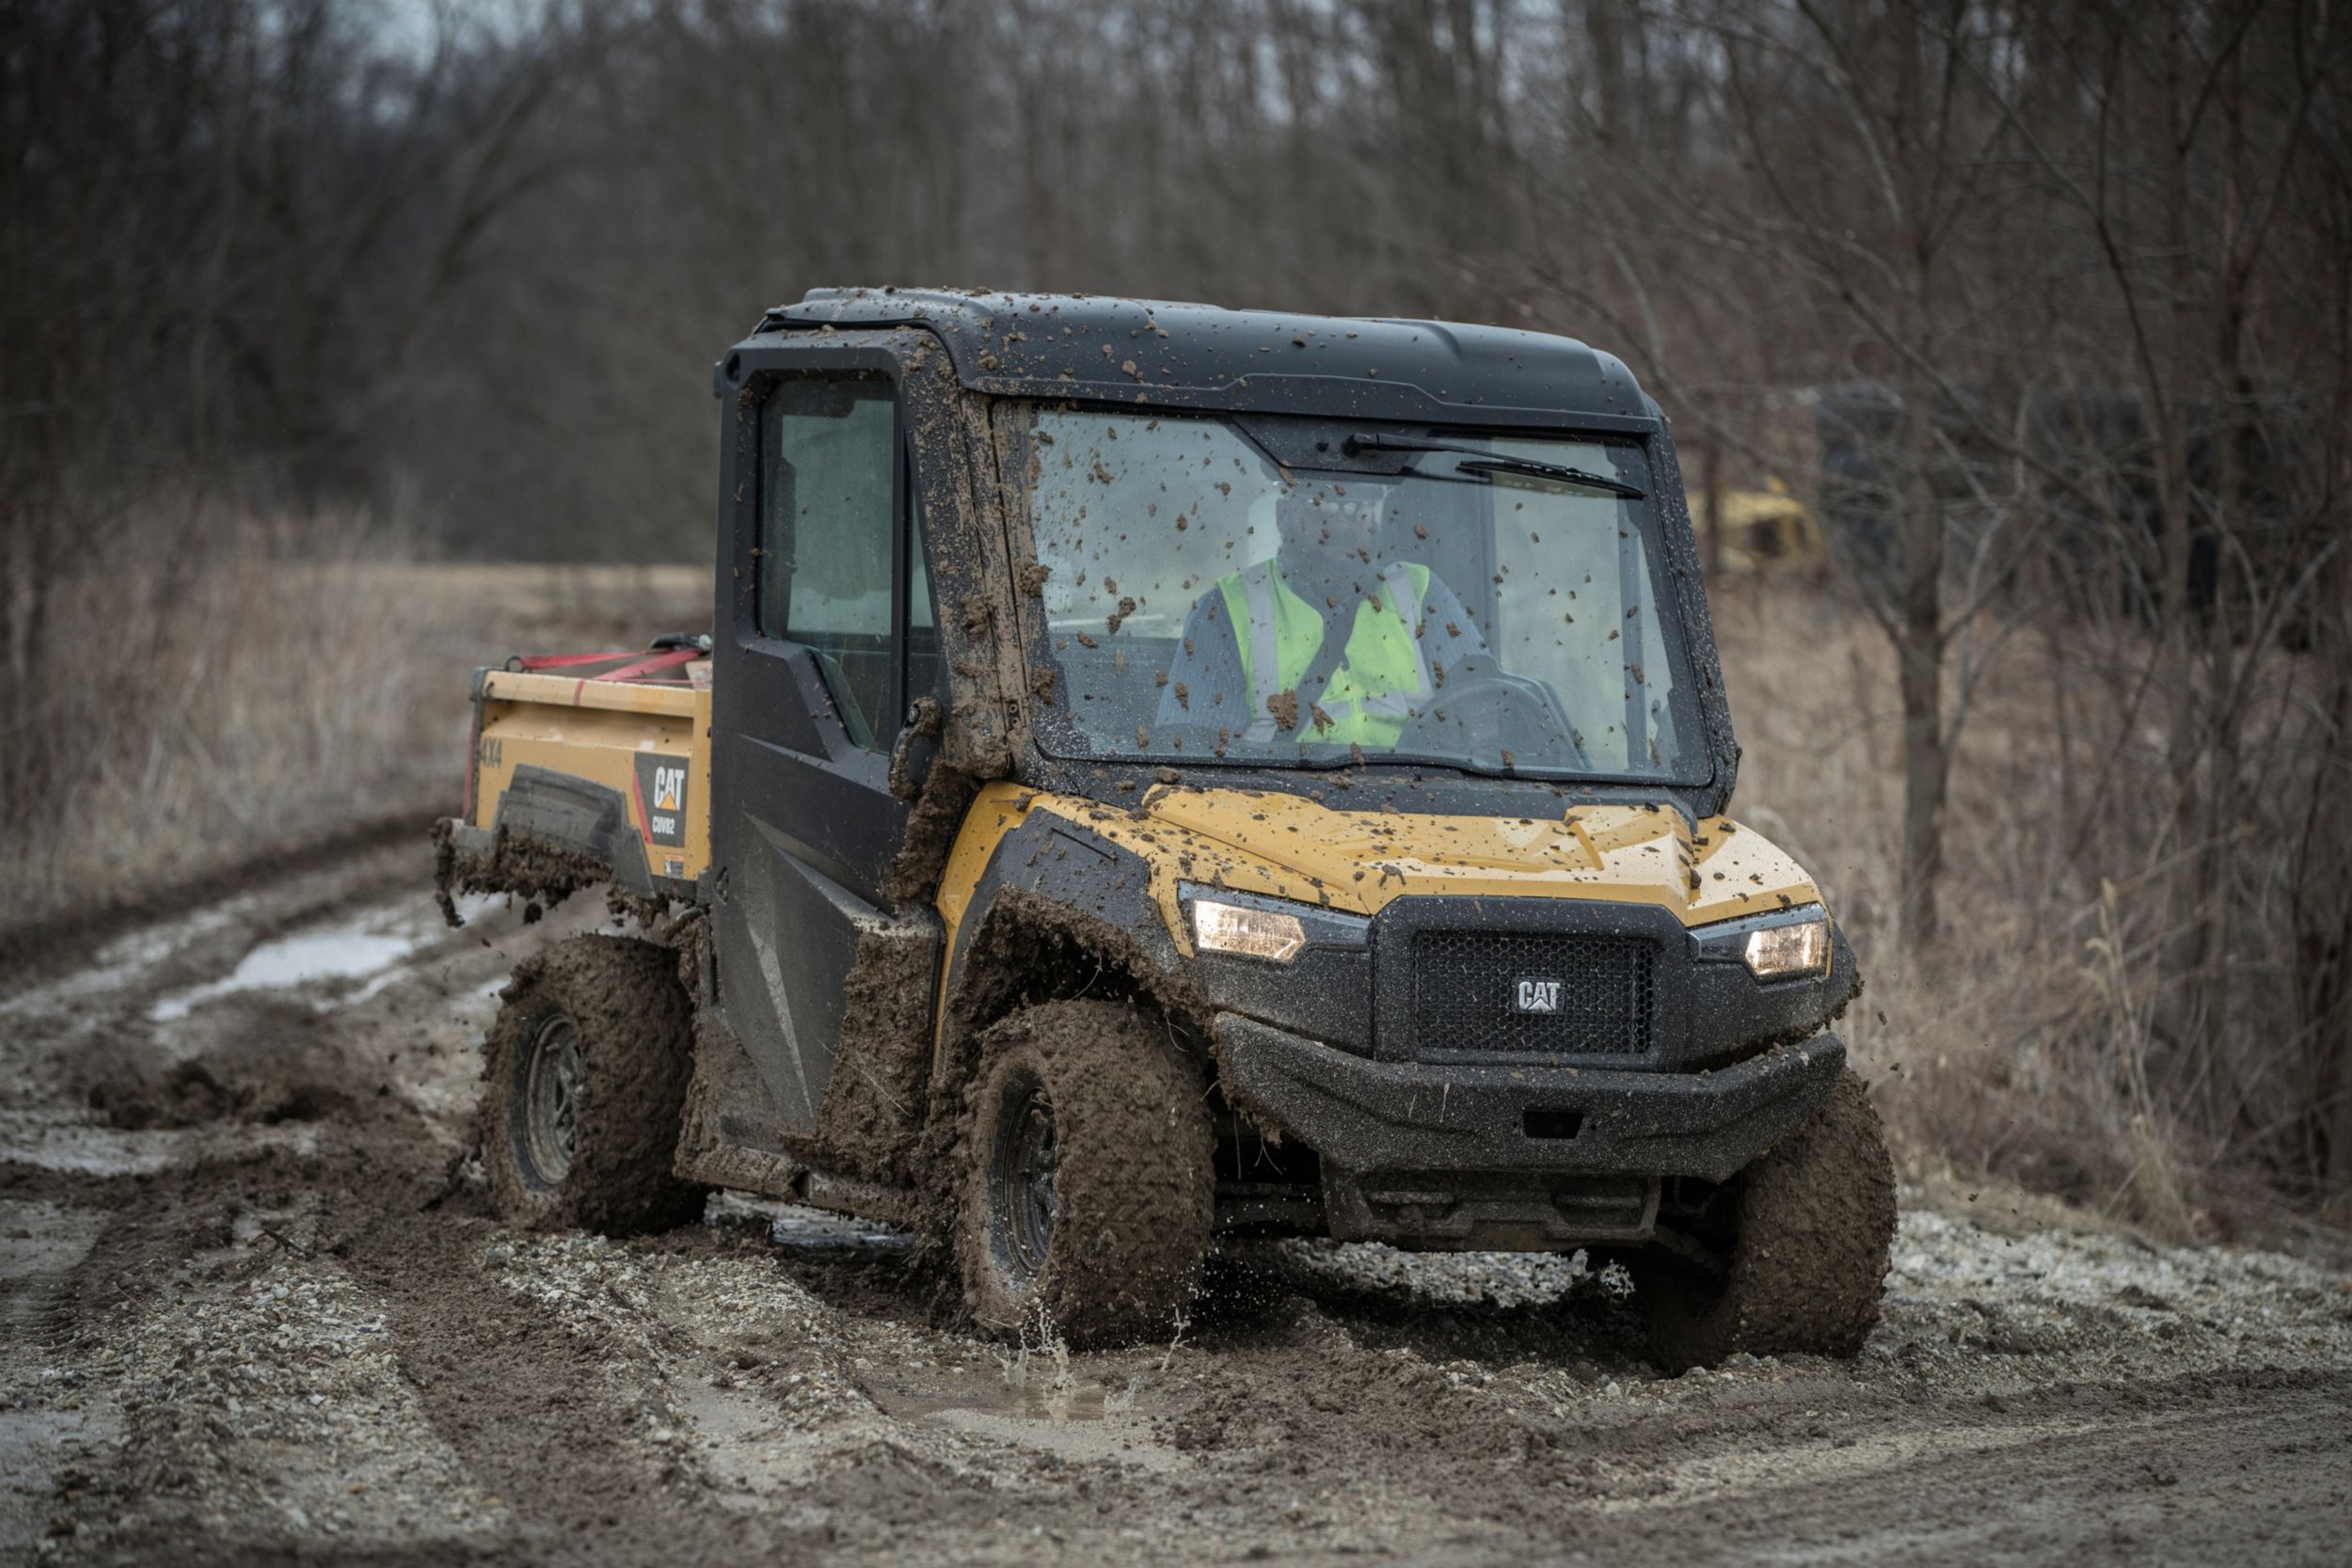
[1801, 1255]
[584, 1085]
[1088, 1191]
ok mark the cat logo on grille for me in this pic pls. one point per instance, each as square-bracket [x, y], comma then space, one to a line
[1538, 996]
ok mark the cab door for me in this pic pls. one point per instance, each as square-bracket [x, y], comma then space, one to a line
[826, 592]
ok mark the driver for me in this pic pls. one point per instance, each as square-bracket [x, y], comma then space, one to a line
[1318, 640]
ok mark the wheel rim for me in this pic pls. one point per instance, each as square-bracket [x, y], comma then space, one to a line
[550, 1099]
[1021, 1180]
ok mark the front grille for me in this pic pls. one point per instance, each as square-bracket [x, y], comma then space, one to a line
[1467, 989]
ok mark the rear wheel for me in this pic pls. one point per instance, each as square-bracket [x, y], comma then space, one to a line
[1088, 1191]
[584, 1083]
[1799, 1253]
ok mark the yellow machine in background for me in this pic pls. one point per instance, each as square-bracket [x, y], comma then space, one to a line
[1768, 531]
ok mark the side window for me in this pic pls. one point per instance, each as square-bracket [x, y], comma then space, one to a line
[829, 463]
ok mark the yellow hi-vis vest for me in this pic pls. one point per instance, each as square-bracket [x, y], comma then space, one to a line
[1382, 675]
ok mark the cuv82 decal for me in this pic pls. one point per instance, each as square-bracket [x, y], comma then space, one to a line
[662, 792]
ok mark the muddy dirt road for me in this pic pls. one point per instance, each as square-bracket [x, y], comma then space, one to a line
[249, 1318]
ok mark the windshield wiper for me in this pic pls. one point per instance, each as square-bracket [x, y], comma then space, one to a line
[1489, 463]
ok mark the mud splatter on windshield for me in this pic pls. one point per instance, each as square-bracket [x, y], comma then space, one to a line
[1271, 590]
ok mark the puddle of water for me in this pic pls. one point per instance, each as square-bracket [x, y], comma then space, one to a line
[1088, 1441]
[818, 1230]
[1078, 1401]
[1017, 1400]
[801, 1228]
[366, 949]
[1045, 1404]
[344, 953]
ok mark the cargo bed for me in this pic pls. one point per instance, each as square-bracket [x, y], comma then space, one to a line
[585, 777]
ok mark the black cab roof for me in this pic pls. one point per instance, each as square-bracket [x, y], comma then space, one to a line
[1103, 349]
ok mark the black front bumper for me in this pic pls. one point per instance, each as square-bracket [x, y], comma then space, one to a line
[1368, 1117]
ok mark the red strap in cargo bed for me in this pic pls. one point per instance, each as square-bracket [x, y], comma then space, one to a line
[641, 663]
[670, 661]
[564, 661]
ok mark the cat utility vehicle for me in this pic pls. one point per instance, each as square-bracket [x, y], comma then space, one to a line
[1159, 771]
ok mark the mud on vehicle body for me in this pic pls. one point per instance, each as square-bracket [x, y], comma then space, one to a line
[1161, 770]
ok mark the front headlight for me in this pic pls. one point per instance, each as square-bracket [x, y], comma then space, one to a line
[1783, 944]
[1778, 952]
[1218, 928]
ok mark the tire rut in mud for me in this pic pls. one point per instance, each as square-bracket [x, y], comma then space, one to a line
[540, 1413]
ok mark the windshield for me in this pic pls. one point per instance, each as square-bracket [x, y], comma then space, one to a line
[1280, 591]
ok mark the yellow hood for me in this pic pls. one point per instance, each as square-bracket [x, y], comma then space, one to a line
[1290, 848]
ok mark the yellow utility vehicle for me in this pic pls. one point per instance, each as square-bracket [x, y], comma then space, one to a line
[1160, 772]
[1769, 530]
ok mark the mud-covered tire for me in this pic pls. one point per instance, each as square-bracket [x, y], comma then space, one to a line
[617, 1005]
[1811, 1220]
[1132, 1190]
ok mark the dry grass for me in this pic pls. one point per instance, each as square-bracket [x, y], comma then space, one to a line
[2028, 1052]
[250, 682]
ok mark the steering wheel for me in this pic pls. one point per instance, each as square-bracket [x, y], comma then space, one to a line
[1475, 710]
